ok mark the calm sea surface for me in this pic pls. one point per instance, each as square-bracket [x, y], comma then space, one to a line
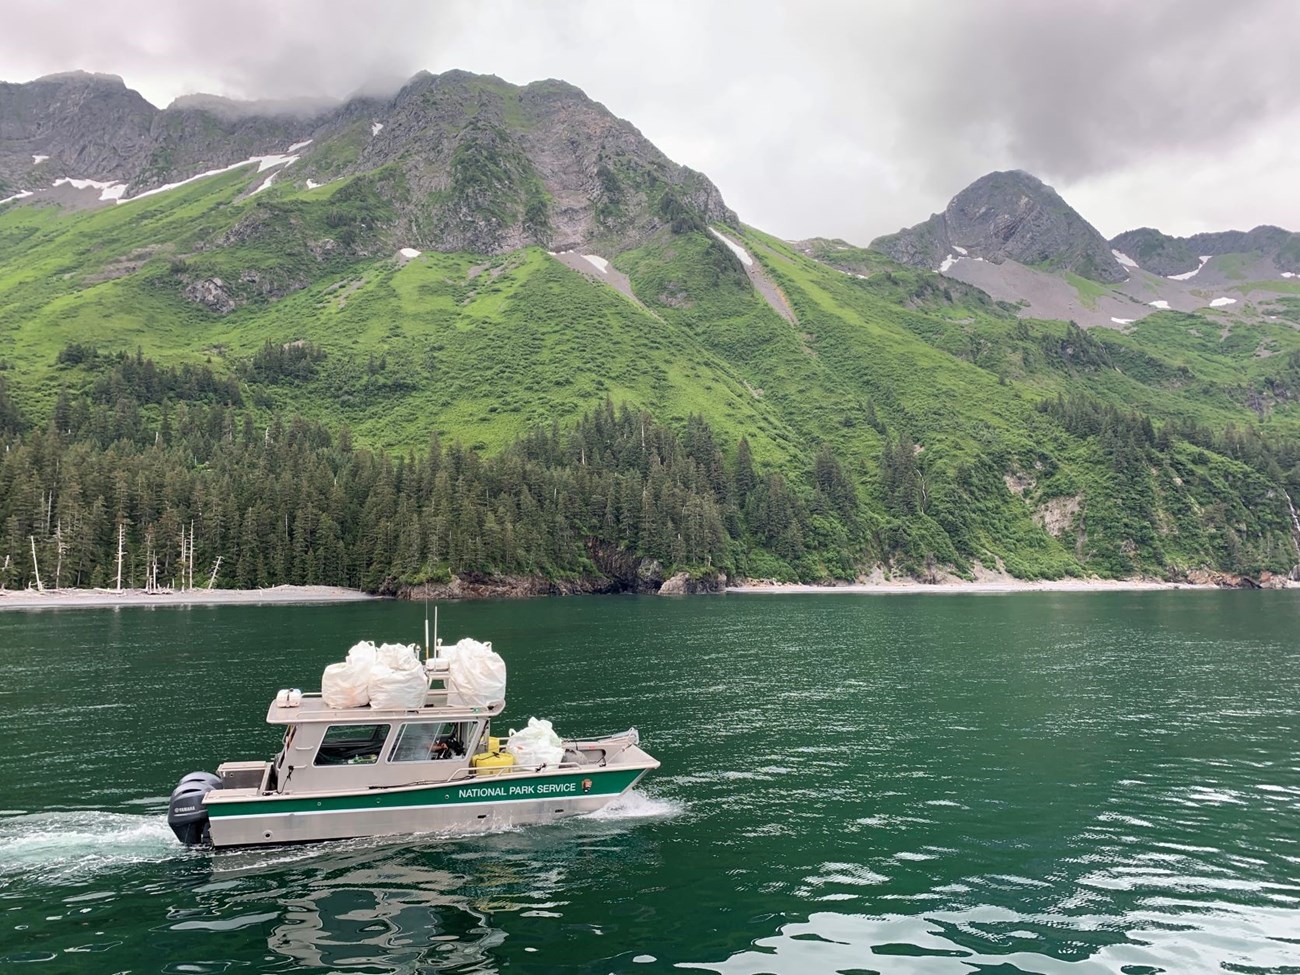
[941, 784]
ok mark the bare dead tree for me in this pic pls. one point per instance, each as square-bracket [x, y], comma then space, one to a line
[36, 565]
[59, 547]
[215, 566]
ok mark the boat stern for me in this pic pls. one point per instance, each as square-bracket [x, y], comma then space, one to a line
[187, 813]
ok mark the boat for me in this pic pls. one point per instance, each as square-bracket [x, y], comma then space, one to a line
[434, 767]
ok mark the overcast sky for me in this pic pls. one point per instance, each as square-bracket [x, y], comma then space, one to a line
[843, 119]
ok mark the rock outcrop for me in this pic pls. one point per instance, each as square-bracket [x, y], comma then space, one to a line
[1007, 216]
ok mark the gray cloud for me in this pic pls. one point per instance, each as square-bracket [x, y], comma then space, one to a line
[831, 117]
[1073, 90]
[238, 48]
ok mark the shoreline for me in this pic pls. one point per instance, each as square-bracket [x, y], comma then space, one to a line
[107, 598]
[959, 586]
[284, 595]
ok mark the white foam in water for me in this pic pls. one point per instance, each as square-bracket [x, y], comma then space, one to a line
[639, 805]
[53, 846]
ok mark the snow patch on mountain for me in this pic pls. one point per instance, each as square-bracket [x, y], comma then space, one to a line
[376, 127]
[107, 190]
[599, 263]
[1159, 303]
[299, 145]
[960, 250]
[1222, 302]
[266, 162]
[1124, 258]
[17, 196]
[1122, 321]
[37, 160]
[1188, 275]
[409, 252]
[263, 163]
[948, 262]
[735, 248]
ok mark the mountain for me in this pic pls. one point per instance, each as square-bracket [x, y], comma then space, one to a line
[1277, 249]
[461, 161]
[1017, 241]
[1007, 216]
[479, 334]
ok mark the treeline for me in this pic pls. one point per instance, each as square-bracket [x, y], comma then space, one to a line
[289, 502]
[1129, 439]
[175, 468]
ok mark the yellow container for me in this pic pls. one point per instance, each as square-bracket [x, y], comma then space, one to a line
[491, 763]
[497, 744]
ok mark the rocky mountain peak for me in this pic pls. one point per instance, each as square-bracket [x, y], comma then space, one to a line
[468, 162]
[1002, 216]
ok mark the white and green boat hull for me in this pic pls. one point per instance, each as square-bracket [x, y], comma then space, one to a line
[242, 817]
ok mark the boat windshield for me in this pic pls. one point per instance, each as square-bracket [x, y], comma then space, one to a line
[352, 744]
[424, 741]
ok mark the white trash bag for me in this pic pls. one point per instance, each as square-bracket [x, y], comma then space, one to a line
[347, 685]
[476, 674]
[397, 679]
[538, 744]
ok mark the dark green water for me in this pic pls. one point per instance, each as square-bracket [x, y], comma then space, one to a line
[1027, 783]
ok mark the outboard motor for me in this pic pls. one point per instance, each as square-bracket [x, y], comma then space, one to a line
[186, 815]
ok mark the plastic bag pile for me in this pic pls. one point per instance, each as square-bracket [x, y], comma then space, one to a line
[390, 677]
[476, 674]
[538, 744]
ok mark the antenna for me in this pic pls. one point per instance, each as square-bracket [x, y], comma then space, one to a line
[426, 626]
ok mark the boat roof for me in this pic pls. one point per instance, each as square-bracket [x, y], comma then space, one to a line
[314, 710]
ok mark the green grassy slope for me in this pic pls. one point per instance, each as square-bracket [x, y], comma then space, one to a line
[962, 430]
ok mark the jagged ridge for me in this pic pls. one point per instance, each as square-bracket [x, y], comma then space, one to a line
[471, 162]
[1165, 255]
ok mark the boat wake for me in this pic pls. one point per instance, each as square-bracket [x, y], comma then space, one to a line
[56, 846]
[640, 805]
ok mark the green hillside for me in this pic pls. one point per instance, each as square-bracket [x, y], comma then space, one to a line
[909, 420]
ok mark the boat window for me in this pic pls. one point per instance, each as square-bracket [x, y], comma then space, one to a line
[352, 744]
[426, 741]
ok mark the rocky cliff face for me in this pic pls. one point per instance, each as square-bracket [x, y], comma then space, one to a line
[1165, 255]
[1007, 216]
[469, 162]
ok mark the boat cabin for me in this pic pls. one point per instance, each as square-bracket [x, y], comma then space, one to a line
[341, 749]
